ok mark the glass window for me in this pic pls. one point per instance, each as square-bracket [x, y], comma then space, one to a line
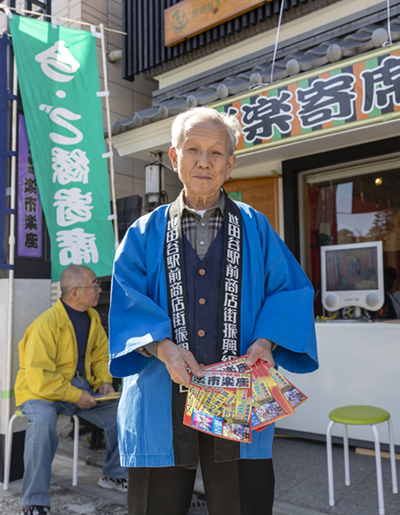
[344, 208]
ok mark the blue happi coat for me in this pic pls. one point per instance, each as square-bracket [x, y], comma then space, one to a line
[277, 303]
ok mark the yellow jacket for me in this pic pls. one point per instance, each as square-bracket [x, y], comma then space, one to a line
[48, 354]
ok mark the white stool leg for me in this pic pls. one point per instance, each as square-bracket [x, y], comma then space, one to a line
[392, 458]
[378, 470]
[75, 458]
[346, 456]
[7, 460]
[330, 463]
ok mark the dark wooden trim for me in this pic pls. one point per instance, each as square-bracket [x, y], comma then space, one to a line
[291, 209]
[143, 20]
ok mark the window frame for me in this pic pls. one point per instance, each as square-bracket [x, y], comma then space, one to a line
[347, 158]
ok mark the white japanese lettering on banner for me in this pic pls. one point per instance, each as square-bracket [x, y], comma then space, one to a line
[230, 333]
[69, 165]
[175, 285]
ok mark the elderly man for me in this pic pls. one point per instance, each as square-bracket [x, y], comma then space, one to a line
[63, 362]
[196, 282]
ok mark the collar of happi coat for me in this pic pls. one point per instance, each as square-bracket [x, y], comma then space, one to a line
[230, 288]
[182, 206]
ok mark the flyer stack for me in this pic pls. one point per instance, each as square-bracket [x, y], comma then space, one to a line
[232, 399]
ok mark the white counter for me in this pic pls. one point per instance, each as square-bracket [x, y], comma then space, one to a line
[359, 364]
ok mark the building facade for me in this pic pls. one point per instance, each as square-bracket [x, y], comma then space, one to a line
[318, 156]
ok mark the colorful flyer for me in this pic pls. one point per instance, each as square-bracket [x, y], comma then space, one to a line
[235, 365]
[218, 411]
[269, 405]
[232, 399]
[220, 403]
[293, 395]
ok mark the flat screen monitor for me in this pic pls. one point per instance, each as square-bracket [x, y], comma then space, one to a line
[352, 275]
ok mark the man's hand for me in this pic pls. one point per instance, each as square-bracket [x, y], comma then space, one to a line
[85, 400]
[260, 349]
[177, 361]
[106, 388]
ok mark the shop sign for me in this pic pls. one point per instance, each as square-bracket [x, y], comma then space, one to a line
[29, 242]
[190, 17]
[59, 85]
[356, 92]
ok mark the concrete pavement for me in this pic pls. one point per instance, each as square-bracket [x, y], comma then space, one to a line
[301, 482]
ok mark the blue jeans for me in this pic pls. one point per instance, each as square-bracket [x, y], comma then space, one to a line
[41, 441]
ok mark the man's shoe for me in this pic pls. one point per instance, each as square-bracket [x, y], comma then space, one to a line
[36, 510]
[114, 483]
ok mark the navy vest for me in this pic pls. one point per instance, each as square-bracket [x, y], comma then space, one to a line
[203, 290]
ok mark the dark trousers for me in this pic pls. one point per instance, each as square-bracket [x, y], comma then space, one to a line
[242, 487]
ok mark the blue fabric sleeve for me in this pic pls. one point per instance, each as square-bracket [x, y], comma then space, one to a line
[286, 316]
[138, 315]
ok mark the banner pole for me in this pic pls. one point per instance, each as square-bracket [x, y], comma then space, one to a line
[109, 137]
[11, 242]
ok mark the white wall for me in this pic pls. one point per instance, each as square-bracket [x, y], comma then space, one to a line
[358, 365]
[31, 299]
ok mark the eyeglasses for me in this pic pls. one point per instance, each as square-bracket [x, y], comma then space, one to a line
[96, 286]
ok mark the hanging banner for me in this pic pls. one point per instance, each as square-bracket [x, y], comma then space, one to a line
[351, 93]
[4, 97]
[59, 83]
[29, 242]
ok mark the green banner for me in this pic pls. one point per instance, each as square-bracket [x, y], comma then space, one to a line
[59, 85]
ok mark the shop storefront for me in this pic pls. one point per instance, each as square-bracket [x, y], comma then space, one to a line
[346, 195]
[353, 199]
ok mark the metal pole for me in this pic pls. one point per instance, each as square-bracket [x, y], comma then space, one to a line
[11, 243]
[105, 77]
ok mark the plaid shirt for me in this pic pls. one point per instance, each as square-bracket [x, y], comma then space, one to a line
[212, 219]
[201, 230]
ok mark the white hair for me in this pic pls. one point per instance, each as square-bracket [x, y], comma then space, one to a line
[205, 114]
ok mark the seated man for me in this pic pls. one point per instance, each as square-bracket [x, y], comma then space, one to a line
[63, 362]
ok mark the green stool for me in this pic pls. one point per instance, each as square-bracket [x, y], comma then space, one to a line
[359, 416]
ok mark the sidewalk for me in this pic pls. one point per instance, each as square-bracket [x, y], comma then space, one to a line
[301, 483]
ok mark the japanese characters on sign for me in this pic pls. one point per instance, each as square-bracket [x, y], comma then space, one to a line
[58, 77]
[191, 17]
[29, 242]
[223, 380]
[341, 96]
